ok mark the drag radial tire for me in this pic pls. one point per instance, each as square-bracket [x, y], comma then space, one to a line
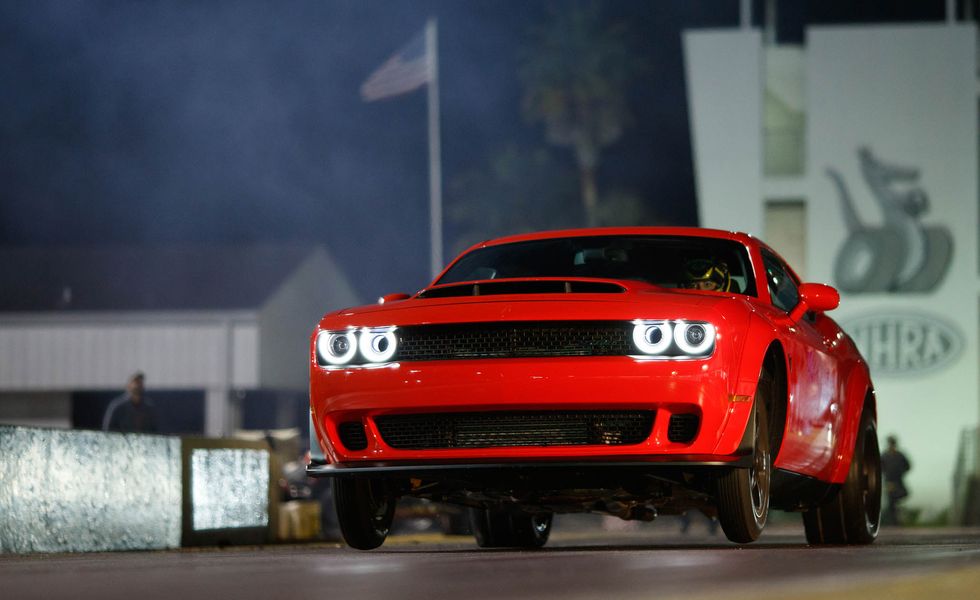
[852, 515]
[743, 494]
[365, 509]
[504, 529]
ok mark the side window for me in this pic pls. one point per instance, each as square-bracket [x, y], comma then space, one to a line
[782, 289]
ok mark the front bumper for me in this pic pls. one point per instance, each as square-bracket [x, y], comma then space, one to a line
[483, 470]
[667, 387]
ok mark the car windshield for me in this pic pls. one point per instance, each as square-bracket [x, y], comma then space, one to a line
[671, 262]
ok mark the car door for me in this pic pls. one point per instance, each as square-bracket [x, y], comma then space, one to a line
[814, 413]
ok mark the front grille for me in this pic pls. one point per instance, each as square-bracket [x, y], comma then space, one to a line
[431, 431]
[514, 340]
[682, 428]
[352, 435]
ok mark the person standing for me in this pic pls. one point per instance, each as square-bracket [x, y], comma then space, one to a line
[132, 411]
[894, 466]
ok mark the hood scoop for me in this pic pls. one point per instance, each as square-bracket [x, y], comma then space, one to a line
[547, 286]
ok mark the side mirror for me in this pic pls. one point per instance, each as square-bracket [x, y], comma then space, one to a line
[815, 296]
[392, 298]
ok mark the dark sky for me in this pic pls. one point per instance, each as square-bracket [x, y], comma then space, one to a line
[236, 122]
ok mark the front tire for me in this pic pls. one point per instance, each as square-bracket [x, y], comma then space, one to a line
[365, 510]
[504, 529]
[853, 514]
[743, 494]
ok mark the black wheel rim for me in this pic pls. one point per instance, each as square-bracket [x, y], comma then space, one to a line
[379, 506]
[540, 524]
[760, 474]
[871, 481]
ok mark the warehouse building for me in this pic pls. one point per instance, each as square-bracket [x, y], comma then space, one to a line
[221, 332]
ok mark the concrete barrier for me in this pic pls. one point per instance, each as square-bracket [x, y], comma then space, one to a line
[85, 491]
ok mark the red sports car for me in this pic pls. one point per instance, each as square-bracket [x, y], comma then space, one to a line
[626, 371]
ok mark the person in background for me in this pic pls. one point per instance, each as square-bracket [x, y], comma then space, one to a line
[894, 466]
[132, 411]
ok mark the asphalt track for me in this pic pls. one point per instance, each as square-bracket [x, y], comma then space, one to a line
[650, 561]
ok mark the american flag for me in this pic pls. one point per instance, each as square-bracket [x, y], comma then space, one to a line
[408, 70]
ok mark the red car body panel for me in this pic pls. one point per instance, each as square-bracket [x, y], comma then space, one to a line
[827, 380]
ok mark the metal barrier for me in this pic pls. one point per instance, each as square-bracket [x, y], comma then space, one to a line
[85, 491]
[227, 493]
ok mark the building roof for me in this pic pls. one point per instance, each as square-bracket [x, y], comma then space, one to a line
[132, 278]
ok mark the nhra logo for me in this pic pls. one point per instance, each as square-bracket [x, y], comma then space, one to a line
[905, 343]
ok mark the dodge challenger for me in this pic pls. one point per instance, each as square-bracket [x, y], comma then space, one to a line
[632, 372]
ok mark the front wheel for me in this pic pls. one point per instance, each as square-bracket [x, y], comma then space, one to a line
[365, 509]
[505, 529]
[743, 494]
[852, 515]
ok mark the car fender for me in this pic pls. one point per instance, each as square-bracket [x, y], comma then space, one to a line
[758, 338]
[857, 389]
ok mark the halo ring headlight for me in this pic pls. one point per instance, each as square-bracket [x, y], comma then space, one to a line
[652, 337]
[694, 339]
[377, 345]
[336, 347]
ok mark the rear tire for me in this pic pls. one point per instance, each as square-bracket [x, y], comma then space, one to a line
[503, 529]
[365, 509]
[853, 514]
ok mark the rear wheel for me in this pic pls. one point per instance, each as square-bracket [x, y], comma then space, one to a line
[853, 514]
[502, 529]
[743, 494]
[365, 509]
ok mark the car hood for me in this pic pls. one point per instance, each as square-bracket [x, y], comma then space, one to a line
[636, 300]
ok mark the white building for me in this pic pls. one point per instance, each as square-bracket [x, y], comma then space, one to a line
[216, 322]
[855, 155]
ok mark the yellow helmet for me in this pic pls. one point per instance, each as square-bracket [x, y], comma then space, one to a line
[704, 271]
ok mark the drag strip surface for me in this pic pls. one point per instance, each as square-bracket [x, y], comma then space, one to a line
[645, 563]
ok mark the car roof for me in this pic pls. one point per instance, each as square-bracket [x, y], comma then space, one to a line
[597, 231]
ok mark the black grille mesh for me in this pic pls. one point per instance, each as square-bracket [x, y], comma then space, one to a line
[352, 435]
[514, 340]
[500, 429]
[682, 428]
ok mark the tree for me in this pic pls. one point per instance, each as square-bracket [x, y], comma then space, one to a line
[513, 190]
[575, 77]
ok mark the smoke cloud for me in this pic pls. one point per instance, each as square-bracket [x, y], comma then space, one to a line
[238, 122]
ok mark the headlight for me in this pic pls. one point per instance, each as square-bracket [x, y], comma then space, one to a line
[694, 339]
[652, 337]
[377, 345]
[678, 339]
[335, 347]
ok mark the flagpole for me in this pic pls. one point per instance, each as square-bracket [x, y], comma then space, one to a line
[435, 152]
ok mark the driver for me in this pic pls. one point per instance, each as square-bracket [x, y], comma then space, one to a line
[707, 274]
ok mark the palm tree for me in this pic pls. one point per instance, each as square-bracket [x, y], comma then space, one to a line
[575, 79]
